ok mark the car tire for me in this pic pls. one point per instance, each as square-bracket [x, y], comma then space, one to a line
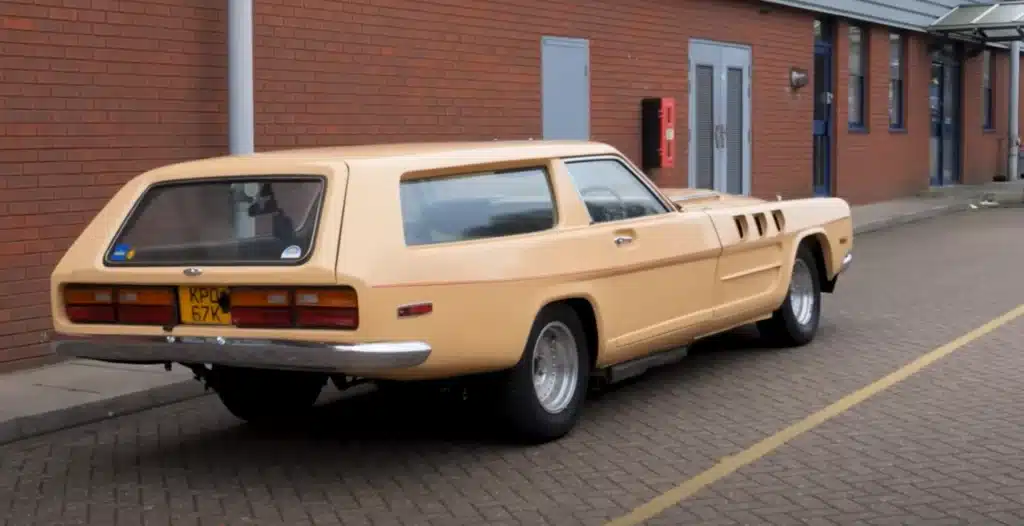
[544, 393]
[262, 397]
[795, 322]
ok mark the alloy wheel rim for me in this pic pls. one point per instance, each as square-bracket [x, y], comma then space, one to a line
[555, 367]
[801, 293]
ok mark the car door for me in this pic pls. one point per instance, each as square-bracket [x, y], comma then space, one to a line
[657, 277]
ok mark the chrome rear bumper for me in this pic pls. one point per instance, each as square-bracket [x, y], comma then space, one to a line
[260, 354]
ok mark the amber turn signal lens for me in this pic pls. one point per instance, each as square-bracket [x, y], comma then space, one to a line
[145, 296]
[88, 295]
[337, 298]
[260, 298]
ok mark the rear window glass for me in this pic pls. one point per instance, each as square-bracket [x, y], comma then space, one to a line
[476, 206]
[224, 221]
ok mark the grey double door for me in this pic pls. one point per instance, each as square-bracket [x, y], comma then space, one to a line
[720, 135]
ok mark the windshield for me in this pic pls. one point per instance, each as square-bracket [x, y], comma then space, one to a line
[221, 221]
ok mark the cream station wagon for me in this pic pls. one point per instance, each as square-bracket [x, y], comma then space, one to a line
[534, 268]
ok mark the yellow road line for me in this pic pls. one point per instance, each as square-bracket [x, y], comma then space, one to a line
[728, 465]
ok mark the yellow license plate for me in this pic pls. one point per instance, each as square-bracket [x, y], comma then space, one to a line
[203, 305]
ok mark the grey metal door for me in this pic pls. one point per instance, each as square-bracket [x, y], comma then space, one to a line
[720, 117]
[565, 88]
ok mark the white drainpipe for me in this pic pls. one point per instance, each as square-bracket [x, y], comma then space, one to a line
[241, 122]
[1012, 170]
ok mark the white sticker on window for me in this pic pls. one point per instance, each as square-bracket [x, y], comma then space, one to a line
[292, 252]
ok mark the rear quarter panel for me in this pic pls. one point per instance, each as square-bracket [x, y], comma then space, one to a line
[485, 293]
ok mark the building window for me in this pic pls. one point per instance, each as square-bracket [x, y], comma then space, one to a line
[897, 110]
[857, 77]
[987, 110]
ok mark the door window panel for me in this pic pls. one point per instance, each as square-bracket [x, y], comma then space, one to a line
[612, 192]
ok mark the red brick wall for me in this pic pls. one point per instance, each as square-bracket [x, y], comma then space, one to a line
[880, 163]
[883, 164]
[93, 95]
[407, 70]
[90, 96]
[984, 153]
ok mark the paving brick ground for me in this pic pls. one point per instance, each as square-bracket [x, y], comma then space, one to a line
[943, 447]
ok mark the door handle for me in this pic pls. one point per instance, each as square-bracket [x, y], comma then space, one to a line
[623, 240]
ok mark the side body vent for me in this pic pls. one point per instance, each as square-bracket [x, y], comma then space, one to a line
[742, 226]
[780, 220]
[761, 222]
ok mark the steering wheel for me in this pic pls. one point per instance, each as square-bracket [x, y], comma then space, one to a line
[623, 211]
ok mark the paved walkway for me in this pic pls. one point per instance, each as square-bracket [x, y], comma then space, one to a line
[75, 392]
[941, 446]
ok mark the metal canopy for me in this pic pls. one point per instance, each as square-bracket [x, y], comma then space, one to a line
[998, 22]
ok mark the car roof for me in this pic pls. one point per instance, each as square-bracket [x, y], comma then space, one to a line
[499, 149]
[413, 154]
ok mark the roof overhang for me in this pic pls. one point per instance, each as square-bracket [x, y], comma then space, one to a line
[982, 23]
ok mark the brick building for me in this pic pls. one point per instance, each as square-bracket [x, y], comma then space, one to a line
[93, 92]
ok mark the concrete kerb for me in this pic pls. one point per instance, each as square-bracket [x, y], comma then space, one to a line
[25, 427]
[982, 202]
[911, 217]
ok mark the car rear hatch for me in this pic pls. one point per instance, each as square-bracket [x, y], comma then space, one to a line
[243, 251]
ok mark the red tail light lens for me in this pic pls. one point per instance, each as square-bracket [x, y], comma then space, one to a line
[163, 315]
[261, 317]
[91, 313]
[327, 318]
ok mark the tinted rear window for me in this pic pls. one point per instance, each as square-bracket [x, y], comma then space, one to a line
[476, 206]
[224, 221]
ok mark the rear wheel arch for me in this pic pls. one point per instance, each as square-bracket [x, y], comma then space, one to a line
[587, 313]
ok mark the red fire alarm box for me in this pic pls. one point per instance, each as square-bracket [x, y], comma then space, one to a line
[658, 132]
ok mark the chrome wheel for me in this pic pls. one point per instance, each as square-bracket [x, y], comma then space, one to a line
[555, 367]
[801, 293]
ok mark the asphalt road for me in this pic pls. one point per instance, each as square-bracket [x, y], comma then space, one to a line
[942, 446]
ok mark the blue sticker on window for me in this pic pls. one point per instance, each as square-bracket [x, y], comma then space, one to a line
[120, 252]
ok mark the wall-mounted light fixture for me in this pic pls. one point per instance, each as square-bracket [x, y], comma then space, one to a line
[797, 77]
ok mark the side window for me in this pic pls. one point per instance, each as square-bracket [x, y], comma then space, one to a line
[611, 191]
[476, 206]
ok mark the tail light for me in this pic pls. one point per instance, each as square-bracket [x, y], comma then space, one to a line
[326, 309]
[261, 308]
[304, 308]
[147, 306]
[307, 308]
[127, 305]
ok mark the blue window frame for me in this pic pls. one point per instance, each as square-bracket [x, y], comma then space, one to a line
[857, 92]
[897, 92]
